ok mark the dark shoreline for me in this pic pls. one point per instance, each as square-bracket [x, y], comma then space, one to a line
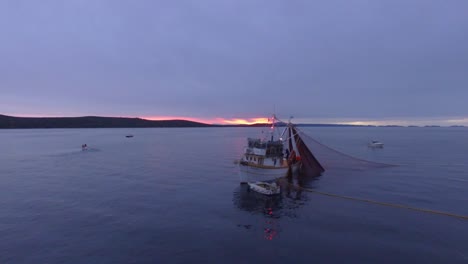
[10, 122]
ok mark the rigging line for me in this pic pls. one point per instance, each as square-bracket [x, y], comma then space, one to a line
[290, 137]
[428, 211]
[284, 131]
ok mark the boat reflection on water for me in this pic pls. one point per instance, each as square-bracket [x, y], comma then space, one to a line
[272, 208]
[276, 206]
[257, 203]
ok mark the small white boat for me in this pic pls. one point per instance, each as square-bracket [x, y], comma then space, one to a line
[265, 187]
[376, 144]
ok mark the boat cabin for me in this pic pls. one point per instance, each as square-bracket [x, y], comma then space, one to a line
[265, 148]
[264, 153]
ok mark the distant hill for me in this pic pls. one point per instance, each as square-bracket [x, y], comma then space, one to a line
[90, 122]
[122, 122]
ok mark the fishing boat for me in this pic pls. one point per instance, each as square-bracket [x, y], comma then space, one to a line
[276, 155]
[265, 188]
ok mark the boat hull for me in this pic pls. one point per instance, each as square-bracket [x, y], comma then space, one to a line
[296, 167]
[249, 173]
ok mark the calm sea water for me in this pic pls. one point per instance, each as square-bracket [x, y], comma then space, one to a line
[173, 196]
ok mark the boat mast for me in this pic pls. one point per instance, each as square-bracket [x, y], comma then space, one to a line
[273, 120]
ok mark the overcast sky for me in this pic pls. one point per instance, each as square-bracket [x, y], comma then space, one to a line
[345, 60]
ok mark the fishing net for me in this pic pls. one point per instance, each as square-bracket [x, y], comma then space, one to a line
[332, 159]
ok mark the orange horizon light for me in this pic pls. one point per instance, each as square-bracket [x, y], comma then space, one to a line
[218, 120]
[249, 121]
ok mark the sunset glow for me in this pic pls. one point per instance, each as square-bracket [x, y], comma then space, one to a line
[218, 120]
[249, 121]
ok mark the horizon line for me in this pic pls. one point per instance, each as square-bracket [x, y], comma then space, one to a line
[262, 120]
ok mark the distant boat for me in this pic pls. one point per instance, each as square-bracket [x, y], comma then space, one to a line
[376, 144]
[84, 147]
[265, 188]
[129, 136]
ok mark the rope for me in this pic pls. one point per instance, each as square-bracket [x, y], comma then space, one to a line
[428, 211]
